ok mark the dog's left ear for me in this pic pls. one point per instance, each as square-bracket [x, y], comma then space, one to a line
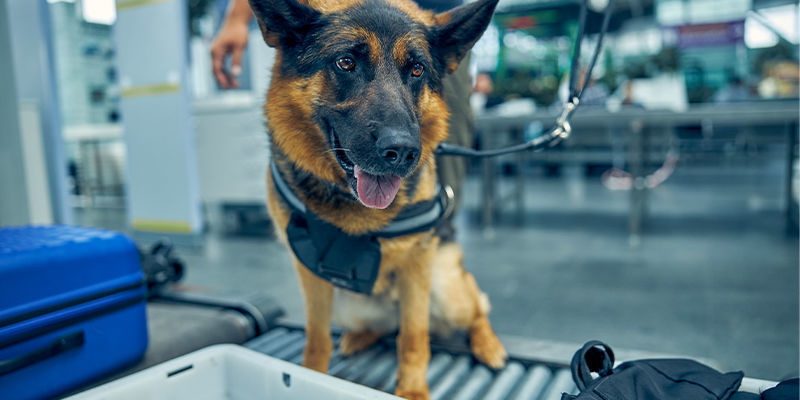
[457, 30]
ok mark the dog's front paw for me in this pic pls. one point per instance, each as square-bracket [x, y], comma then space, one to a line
[413, 394]
[491, 352]
[486, 347]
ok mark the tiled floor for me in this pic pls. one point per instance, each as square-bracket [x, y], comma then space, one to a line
[715, 276]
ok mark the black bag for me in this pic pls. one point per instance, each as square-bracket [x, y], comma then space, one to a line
[786, 390]
[667, 379]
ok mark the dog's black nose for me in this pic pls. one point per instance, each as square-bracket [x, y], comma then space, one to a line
[398, 149]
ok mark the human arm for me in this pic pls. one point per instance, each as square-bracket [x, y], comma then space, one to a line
[231, 41]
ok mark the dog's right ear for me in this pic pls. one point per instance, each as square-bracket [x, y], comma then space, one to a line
[284, 21]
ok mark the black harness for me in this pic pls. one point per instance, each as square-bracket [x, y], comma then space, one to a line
[348, 261]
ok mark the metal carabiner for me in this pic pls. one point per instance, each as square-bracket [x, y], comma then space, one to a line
[449, 200]
[563, 127]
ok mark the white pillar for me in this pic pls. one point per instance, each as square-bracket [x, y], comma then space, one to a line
[27, 32]
[152, 51]
[13, 197]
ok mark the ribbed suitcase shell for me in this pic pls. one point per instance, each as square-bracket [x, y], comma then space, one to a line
[71, 308]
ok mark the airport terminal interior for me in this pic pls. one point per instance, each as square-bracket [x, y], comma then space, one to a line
[666, 224]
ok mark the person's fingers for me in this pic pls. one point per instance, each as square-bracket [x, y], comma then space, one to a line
[218, 66]
[236, 65]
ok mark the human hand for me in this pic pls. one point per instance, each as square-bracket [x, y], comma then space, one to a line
[230, 41]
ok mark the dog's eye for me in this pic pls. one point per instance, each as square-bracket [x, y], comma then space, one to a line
[346, 64]
[417, 69]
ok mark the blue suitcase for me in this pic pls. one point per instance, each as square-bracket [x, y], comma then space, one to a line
[72, 308]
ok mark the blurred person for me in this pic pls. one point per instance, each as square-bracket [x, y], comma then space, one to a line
[663, 92]
[735, 90]
[483, 95]
[231, 41]
[595, 93]
[480, 92]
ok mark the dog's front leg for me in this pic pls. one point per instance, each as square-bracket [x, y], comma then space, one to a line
[318, 295]
[413, 346]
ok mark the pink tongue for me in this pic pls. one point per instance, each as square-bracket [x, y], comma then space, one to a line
[376, 191]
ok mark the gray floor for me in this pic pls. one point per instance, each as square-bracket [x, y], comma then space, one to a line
[715, 276]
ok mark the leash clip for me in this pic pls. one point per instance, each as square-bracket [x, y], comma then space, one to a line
[563, 128]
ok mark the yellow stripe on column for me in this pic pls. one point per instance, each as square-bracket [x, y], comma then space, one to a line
[150, 90]
[128, 4]
[161, 225]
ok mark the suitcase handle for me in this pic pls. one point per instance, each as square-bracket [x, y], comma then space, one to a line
[52, 349]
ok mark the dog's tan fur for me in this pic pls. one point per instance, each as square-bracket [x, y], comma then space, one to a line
[422, 286]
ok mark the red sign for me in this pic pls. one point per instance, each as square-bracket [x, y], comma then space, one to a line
[702, 35]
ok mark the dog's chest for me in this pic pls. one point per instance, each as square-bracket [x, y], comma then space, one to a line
[400, 255]
[381, 310]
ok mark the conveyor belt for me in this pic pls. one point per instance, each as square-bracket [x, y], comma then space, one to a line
[452, 374]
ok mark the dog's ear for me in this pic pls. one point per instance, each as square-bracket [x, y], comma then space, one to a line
[284, 21]
[458, 29]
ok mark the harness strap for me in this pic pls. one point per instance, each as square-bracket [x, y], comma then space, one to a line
[415, 218]
[348, 261]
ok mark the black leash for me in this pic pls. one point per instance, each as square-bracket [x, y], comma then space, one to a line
[561, 129]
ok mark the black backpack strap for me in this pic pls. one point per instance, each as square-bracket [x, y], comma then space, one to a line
[594, 356]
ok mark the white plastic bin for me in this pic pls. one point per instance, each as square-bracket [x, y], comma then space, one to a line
[229, 372]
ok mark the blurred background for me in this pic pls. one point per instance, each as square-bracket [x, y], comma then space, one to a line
[667, 223]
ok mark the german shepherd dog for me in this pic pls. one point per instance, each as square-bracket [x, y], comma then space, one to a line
[355, 111]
